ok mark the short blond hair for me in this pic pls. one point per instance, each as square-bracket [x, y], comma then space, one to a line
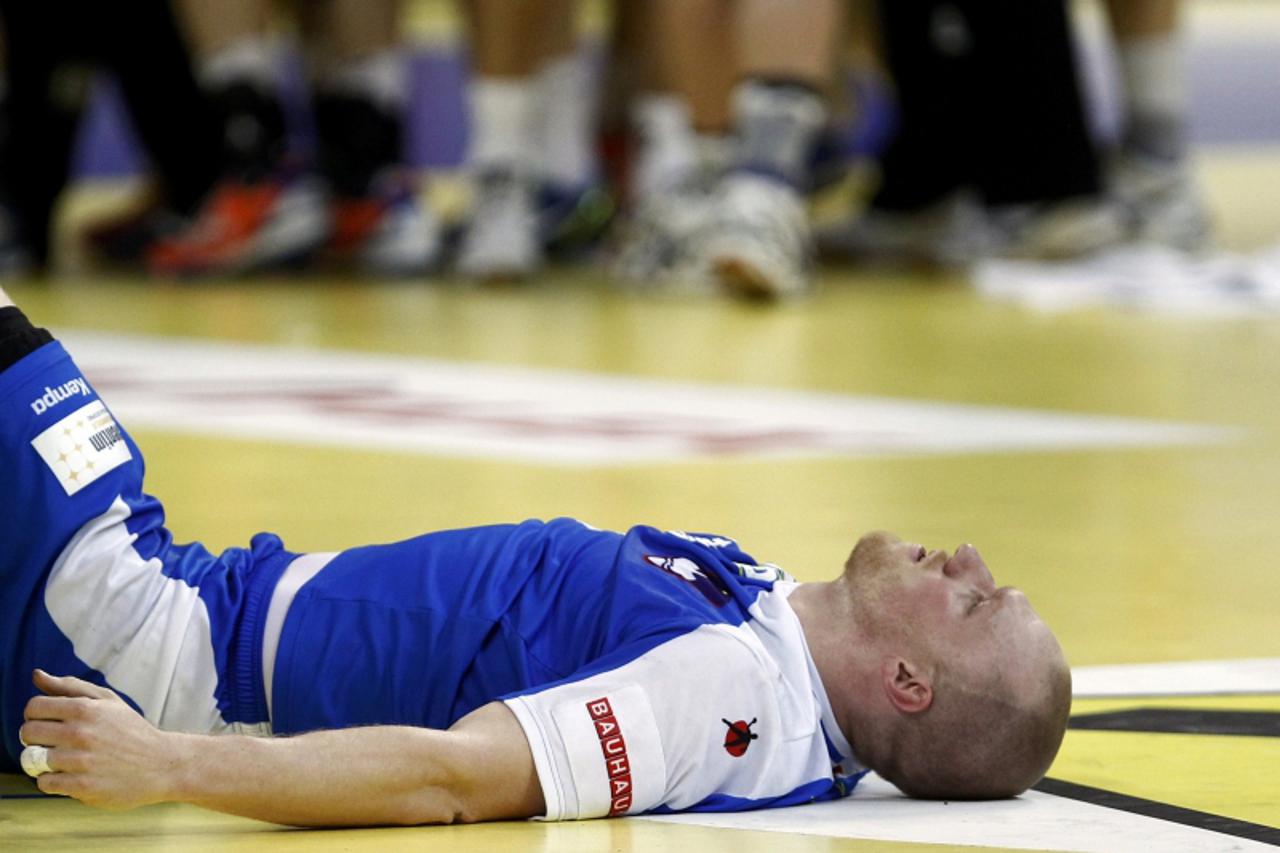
[978, 742]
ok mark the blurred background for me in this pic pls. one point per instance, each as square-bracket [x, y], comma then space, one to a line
[936, 135]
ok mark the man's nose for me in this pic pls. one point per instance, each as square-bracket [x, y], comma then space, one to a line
[968, 563]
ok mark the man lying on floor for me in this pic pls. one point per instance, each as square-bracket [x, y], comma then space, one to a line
[537, 669]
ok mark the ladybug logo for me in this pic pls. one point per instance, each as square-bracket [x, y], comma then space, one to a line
[738, 737]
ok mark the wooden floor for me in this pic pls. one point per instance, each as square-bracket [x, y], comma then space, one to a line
[1145, 544]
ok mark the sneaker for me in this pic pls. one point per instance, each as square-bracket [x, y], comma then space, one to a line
[656, 244]
[244, 227]
[501, 242]
[1161, 203]
[572, 222]
[389, 232]
[1056, 230]
[122, 240]
[949, 233]
[759, 243]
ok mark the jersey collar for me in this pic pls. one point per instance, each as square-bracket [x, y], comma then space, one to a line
[835, 738]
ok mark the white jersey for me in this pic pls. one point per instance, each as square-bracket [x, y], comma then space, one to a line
[724, 717]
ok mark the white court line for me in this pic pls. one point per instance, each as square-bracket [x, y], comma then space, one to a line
[1035, 820]
[409, 405]
[1180, 678]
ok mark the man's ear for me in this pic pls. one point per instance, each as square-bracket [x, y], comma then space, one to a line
[906, 685]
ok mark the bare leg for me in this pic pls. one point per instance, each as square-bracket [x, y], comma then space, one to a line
[683, 105]
[1152, 176]
[568, 111]
[787, 52]
[501, 40]
[359, 87]
[1133, 18]
[692, 50]
[349, 30]
[237, 66]
[215, 26]
[796, 40]
[1153, 79]
[509, 41]
[360, 90]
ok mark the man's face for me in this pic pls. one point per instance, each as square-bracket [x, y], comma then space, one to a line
[948, 608]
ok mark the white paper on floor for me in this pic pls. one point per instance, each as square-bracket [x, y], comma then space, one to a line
[1142, 278]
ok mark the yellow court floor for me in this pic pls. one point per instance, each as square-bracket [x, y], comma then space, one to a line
[1121, 468]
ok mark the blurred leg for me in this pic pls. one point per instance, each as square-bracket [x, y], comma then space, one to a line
[787, 52]
[1153, 79]
[797, 40]
[237, 64]
[760, 244]
[47, 85]
[360, 96]
[358, 77]
[1152, 174]
[693, 57]
[567, 109]
[682, 110]
[508, 40]
[178, 125]
[266, 211]
[1036, 145]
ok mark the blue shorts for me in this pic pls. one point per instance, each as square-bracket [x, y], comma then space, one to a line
[92, 584]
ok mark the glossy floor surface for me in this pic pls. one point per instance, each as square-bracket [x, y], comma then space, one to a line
[1123, 469]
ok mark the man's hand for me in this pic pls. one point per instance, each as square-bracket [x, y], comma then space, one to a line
[105, 754]
[100, 750]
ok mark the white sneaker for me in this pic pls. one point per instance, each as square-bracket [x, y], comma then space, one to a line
[501, 242]
[1162, 203]
[759, 244]
[656, 243]
[388, 232]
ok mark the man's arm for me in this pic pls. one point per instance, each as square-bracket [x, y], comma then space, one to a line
[103, 753]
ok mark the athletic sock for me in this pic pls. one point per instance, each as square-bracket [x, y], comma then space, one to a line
[502, 124]
[249, 59]
[566, 122]
[358, 109]
[241, 80]
[18, 338]
[1155, 96]
[669, 151]
[776, 125]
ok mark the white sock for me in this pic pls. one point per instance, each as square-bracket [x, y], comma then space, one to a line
[1154, 84]
[715, 152]
[566, 119]
[776, 127]
[249, 59]
[669, 152]
[381, 78]
[502, 123]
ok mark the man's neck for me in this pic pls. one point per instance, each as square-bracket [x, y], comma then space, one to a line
[826, 616]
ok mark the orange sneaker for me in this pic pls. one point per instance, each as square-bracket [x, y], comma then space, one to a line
[244, 227]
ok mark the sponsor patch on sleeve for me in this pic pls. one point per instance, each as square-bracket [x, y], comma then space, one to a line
[82, 447]
[614, 750]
